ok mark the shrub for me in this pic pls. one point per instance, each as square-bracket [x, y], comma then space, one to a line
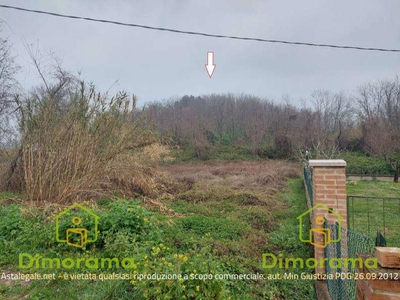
[360, 163]
[79, 146]
[127, 226]
[10, 222]
[189, 265]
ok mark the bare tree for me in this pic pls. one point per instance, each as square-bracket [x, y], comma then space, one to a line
[57, 83]
[379, 113]
[8, 83]
[334, 118]
[255, 121]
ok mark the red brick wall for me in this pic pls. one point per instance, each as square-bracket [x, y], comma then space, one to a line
[329, 188]
[329, 184]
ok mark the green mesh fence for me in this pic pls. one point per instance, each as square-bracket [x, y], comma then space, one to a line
[351, 243]
[309, 186]
[369, 215]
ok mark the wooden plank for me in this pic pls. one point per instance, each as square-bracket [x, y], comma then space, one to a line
[388, 257]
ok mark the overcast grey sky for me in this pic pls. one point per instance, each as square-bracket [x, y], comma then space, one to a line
[157, 65]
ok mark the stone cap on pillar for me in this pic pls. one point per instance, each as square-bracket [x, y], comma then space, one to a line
[326, 163]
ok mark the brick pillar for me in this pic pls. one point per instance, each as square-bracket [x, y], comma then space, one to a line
[329, 188]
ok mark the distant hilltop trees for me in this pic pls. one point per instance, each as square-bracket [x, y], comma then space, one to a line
[367, 121]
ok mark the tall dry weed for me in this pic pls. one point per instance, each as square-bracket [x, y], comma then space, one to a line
[69, 151]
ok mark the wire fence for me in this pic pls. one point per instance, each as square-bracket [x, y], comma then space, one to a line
[344, 251]
[369, 215]
[309, 186]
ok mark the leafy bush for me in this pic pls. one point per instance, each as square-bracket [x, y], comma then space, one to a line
[127, 226]
[11, 221]
[360, 163]
[22, 233]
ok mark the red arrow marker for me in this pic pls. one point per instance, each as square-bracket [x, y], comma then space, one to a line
[210, 66]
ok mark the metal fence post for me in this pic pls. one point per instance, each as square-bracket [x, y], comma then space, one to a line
[339, 256]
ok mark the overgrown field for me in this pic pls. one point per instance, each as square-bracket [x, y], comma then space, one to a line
[216, 218]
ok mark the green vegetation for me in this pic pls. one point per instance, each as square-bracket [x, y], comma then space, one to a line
[360, 163]
[208, 241]
[369, 215]
[357, 162]
[374, 189]
[261, 230]
[5, 195]
[215, 217]
[218, 218]
[126, 230]
[216, 152]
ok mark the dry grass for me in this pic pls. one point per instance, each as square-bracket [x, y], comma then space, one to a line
[90, 148]
[248, 188]
[264, 178]
[244, 192]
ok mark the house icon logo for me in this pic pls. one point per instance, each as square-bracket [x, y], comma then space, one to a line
[319, 236]
[76, 226]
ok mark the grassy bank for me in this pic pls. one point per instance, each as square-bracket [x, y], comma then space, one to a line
[374, 189]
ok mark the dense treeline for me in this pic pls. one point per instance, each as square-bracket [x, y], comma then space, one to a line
[367, 121]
